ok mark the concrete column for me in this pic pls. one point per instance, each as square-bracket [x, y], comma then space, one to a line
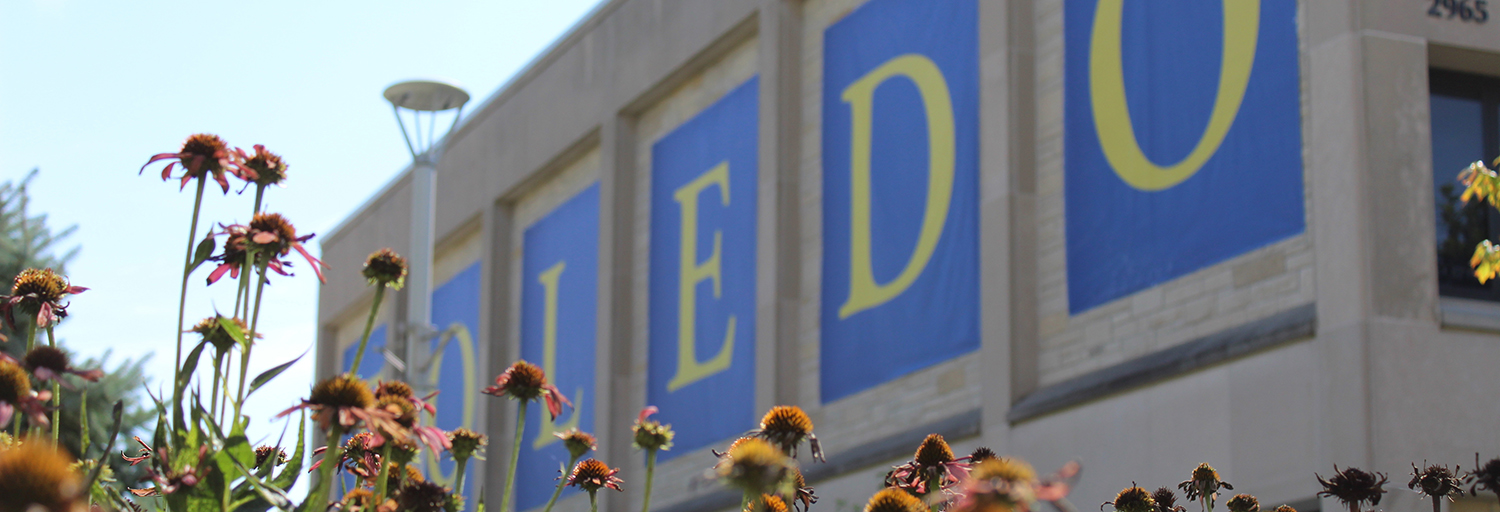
[496, 350]
[779, 268]
[621, 388]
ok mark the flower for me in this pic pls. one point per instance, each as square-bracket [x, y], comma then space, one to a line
[804, 494]
[421, 496]
[212, 330]
[998, 485]
[892, 499]
[933, 465]
[1285, 508]
[167, 479]
[578, 442]
[38, 292]
[273, 233]
[394, 476]
[265, 453]
[263, 168]
[39, 474]
[1243, 503]
[358, 456]
[981, 454]
[591, 475]
[1352, 486]
[755, 467]
[1132, 499]
[1204, 484]
[348, 400]
[16, 393]
[51, 363]
[1166, 501]
[786, 426]
[201, 154]
[361, 500]
[385, 267]
[651, 435]
[767, 503]
[465, 443]
[1437, 481]
[1482, 477]
[526, 382]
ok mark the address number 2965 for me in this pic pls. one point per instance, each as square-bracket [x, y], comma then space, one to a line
[1476, 11]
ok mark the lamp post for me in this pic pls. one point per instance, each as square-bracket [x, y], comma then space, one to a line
[422, 99]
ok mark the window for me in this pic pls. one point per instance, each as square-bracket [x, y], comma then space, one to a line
[1465, 128]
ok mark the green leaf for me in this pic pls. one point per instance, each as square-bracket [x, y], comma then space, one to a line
[204, 250]
[189, 366]
[266, 376]
[233, 329]
[293, 468]
[114, 431]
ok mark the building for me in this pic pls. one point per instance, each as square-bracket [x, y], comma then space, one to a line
[1142, 235]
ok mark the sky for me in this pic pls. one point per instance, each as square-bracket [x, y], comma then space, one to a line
[89, 90]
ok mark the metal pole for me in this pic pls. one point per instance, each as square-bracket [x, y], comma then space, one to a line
[419, 278]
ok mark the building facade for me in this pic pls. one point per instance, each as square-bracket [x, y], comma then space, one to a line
[1142, 235]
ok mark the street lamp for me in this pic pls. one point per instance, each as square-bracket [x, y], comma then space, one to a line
[422, 99]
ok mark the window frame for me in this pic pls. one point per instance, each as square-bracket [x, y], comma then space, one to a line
[1485, 90]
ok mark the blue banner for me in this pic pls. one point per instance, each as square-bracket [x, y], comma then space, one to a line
[1183, 137]
[702, 341]
[900, 191]
[455, 370]
[559, 301]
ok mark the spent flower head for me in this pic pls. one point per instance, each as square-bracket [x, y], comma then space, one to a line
[1436, 481]
[51, 363]
[202, 155]
[767, 503]
[981, 454]
[526, 382]
[385, 268]
[263, 168]
[1285, 508]
[786, 426]
[38, 293]
[274, 234]
[892, 499]
[753, 466]
[577, 442]
[1132, 499]
[932, 470]
[16, 393]
[267, 453]
[213, 331]
[1243, 503]
[1166, 500]
[651, 435]
[347, 400]
[1484, 477]
[422, 496]
[1204, 485]
[466, 443]
[592, 475]
[1353, 486]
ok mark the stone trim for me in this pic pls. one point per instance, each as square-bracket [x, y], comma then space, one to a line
[1293, 324]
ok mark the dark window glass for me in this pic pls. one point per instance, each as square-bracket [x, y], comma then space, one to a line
[1465, 111]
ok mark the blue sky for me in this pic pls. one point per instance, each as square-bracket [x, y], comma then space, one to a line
[90, 90]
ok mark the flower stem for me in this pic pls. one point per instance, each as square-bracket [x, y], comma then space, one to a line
[56, 393]
[260, 289]
[187, 270]
[515, 452]
[1437, 504]
[594, 500]
[213, 397]
[560, 484]
[458, 477]
[650, 471]
[369, 324]
[318, 497]
[383, 482]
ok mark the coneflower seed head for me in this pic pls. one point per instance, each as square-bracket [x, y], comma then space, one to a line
[466, 442]
[1243, 503]
[590, 475]
[768, 503]
[275, 224]
[422, 497]
[385, 267]
[35, 473]
[269, 168]
[934, 451]
[1134, 499]
[755, 467]
[892, 499]
[578, 442]
[1166, 500]
[1009, 469]
[394, 388]
[213, 332]
[981, 454]
[206, 145]
[14, 383]
[1285, 508]
[342, 391]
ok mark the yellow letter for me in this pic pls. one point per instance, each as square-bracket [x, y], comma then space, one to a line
[1112, 115]
[689, 370]
[864, 293]
[549, 280]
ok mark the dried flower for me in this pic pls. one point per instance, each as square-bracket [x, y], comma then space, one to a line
[651, 435]
[466, 443]
[1132, 499]
[981, 454]
[526, 382]
[393, 388]
[1484, 477]
[38, 474]
[1243, 503]
[426, 497]
[1285, 508]
[578, 442]
[273, 233]
[385, 268]
[891, 499]
[591, 475]
[38, 292]
[51, 363]
[1204, 485]
[169, 478]
[786, 426]
[1437, 481]
[804, 497]
[755, 467]
[265, 453]
[263, 168]
[16, 393]
[932, 466]
[212, 330]
[201, 155]
[1166, 501]
[1353, 486]
[998, 485]
[348, 400]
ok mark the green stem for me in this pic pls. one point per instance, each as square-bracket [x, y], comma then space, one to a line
[560, 484]
[318, 497]
[30, 344]
[594, 500]
[369, 324]
[242, 289]
[187, 270]
[458, 477]
[1437, 504]
[650, 471]
[383, 482]
[515, 452]
[213, 397]
[260, 289]
[56, 393]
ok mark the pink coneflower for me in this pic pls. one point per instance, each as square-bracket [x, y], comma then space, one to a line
[38, 292]
[526, 382]
[201, 155]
